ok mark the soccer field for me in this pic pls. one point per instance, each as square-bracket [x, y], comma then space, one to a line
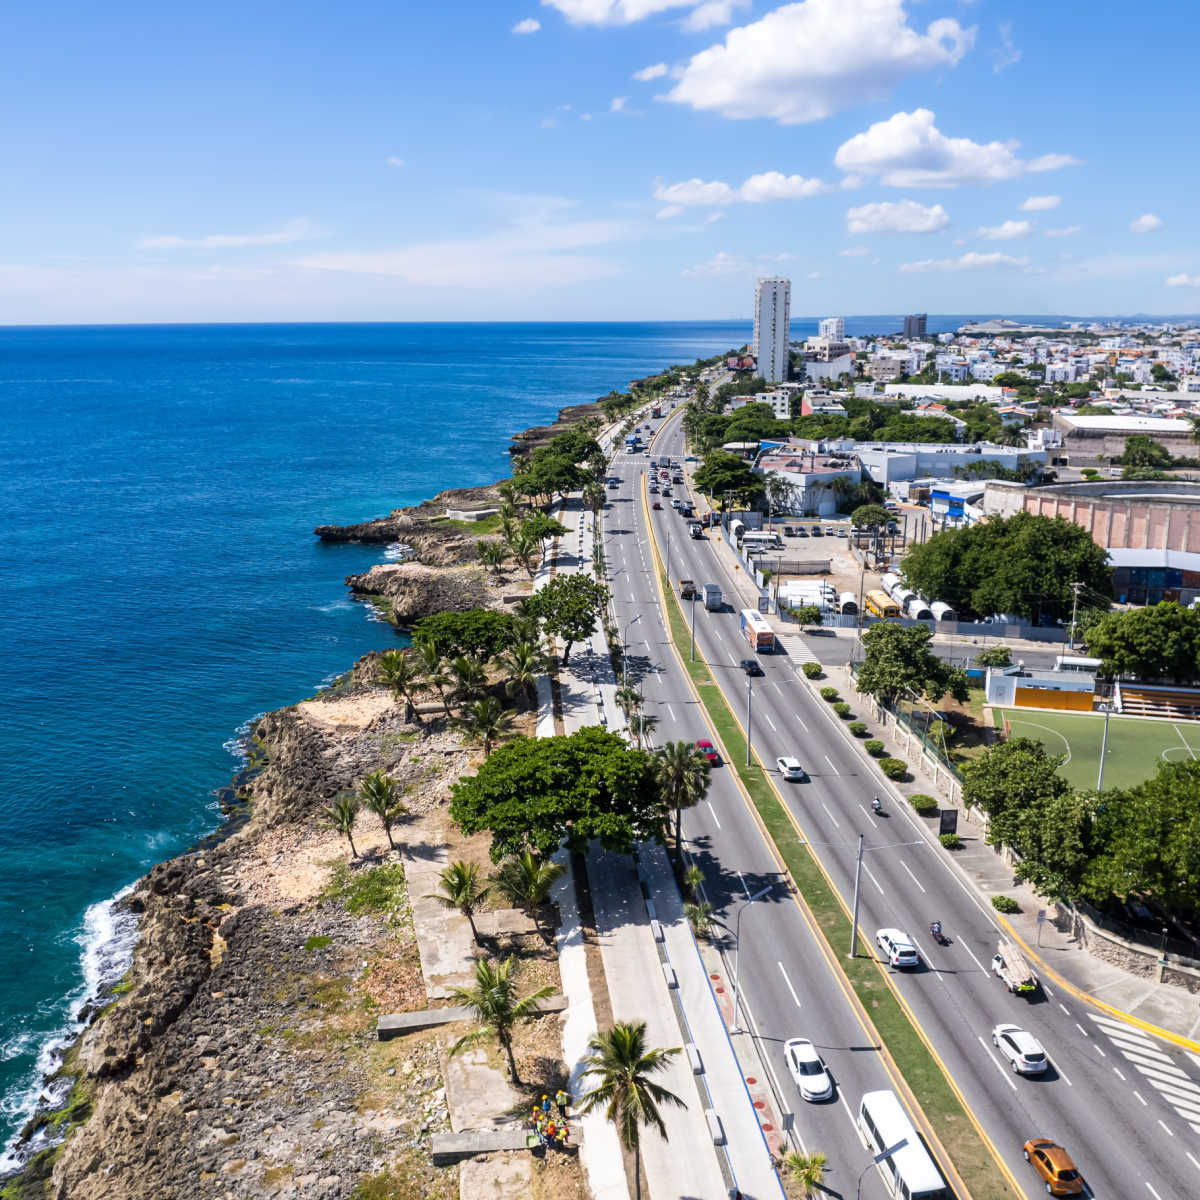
[1136, 745]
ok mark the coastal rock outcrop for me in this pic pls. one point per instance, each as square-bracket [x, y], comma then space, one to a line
[414, 590]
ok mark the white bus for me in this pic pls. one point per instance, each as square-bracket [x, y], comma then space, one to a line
[1071, 662]
[909, 1173]
[761, 540]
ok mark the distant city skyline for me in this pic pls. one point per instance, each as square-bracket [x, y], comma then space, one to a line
[591, 160]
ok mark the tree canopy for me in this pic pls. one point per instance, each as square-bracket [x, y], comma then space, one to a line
[721, 473]
[899, 661]
[536, 793]
[1143, 451]
[478, 632]
[568, 607]
[1024, 565]
[870, 516]
[1159, 642]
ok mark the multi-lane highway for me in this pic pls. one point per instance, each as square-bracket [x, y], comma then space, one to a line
[1126, 1106]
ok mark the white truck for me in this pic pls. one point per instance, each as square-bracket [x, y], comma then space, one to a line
[713, 601]
[1008, 964]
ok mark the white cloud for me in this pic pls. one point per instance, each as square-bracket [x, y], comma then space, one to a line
[298, 230]
[1005, 231]
[710, 14]
[1065, 231]
[395, 162]
[1006, 54]
[971, 261]
[904, 216]
[757, 189]
[613, 12]
[908, 150]
[1052, 162]
[529, 25]
[713, 217]
[1041, 203]
[806, 61]
[854, 252]
[618, 103]
[1183, 280]
[1146, 223]
[671, 210]
[720, 264]
[654, 71]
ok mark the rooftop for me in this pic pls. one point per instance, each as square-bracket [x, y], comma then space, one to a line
[1128, 424]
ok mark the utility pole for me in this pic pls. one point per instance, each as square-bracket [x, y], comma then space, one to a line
[749, 712]
[1074, 609]
[1107, 709]
[857, 892]
[693, 624]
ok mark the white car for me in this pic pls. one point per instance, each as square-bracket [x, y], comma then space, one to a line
[790, 768]
[808, 1069]
[1023, 1051]
[897, 947]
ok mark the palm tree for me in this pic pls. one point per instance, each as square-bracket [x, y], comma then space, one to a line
[434, 676]
[341, 815]
[629, 699]
[641, 725]
[593, 497]
[525, 880]
[699, 917]
[524, 665]
[486, 721]
[459, 888]
[693, 877]
[492, 555]
[494, 1004]
[380, 794]
[807, 1170]
[523, 548]
[470, 679]
[683, 776]
[623, 1065]
[401, 671]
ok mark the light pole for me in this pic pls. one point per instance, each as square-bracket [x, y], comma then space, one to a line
[693, 624]
[737, 954]
[749, 714]
[1107, 710]
[668, 556]
[857, 893]
[625, 649]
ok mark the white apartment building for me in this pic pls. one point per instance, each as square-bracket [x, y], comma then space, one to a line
[772, 313]
[833, 329]
[831, 371]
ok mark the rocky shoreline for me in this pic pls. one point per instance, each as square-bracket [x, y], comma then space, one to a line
[238, 1057]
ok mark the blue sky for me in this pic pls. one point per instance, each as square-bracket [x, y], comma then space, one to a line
[594, 159]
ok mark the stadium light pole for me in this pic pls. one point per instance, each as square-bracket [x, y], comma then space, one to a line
[1107, 710]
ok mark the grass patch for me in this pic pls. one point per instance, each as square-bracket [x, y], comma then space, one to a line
[941, 1106]
[482, 527]
[382, 605]
[376, 890]
[412, 1175]
[318, 941]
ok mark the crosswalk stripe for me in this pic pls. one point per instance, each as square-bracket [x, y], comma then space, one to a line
[1139, 1048]
[1189, 1103]
[1153, 1069]
[1118, 1029]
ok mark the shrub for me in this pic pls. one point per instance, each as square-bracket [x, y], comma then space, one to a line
[925, 804]
[858, 728]
[829, 693]
[950, 840]
[843, 710]
[1005, 904]
[893, 768]
[812, 670]
[317, 942]
[873, 747]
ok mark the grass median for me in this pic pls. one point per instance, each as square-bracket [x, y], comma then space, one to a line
[964, 1145]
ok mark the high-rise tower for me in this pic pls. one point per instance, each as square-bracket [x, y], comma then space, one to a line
[772, 304]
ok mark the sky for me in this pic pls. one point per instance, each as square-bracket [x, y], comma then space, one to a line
[594, 159]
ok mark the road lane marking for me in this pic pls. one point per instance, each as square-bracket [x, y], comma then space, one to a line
[789, 984]
[1081, 1029]
[913, 877]
[992, 1060]
[869, 816]
[1152, 1191]
[1138, 1094]
[1049, 993]
[1099, 1051]
[1149, 1067]
[671, 711]
[802, 724]
[1118, 1075]
[829, 761]
[1166, 1126]
[714, 813]
[871, 877]
[973, 958]
[1063, 1074]
[770, 722]
[834, 819]
[1195, 1163]
[1064, 1008]
[776, 687]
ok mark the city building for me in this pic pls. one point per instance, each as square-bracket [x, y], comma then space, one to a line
[810, 474]
[914, 326]
[772, 305]
[892, 462]
[1091, 436]
[833, 329]
[827, 371]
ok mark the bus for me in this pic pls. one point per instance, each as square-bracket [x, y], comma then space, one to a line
[1072, 662]
[909, 1173]
[881, 605]
[756, 631]
[761, 540]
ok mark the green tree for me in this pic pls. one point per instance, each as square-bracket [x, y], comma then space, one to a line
[623, 1066]
[569, 607]
[401, 671]
[594, 498]
[994, 656]
[433, 673]
[492, 554]
[486, 721]
[494, 1003]
[683, 778]
[380, 794]
[542, 528]
[524, 548]
[726, 473]
[699, 916]
[899, 662]
[807, 1170]
[341, 815]
[871, 516]
[1007, 779]
[478, 632]
[535, 792]
[1159, 373]
[629, 700]
[1144, 451]
[525, 880]
[1159, 642]
[459, 889]
[470, 678]
[807, 614]
[523, 665]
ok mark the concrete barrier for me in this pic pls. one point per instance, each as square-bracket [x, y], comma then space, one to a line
[397, 1024]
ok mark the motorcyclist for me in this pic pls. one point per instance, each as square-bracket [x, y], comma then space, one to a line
[877, 804]
[935, 928]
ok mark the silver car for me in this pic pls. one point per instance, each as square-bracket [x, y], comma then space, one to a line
[808, 1069]
[1023, 1051]
[790, 768]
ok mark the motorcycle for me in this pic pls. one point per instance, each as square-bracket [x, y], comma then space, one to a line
[877, 806]
[935, 932]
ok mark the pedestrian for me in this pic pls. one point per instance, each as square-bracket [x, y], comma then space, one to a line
[545, 1104]
[562, 1098]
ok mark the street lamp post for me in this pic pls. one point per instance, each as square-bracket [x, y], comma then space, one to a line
[857, 893]
[749, 715]
[737, 954]
[625, 648]
[1107, 710]
[693, 624]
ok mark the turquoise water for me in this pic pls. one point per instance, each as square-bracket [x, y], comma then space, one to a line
[160, 584]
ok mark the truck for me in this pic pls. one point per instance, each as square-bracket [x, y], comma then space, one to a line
[632, 441]
[656, 411]
[695, 530]
[1009, 965]
[687, 589]
[713, 600]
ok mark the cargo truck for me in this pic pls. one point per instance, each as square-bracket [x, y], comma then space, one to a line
[712, 598]
[695, 530]
[1008, 964]
[687, 589]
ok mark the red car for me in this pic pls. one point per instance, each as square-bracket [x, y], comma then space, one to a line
[656, 504]
[705, 747]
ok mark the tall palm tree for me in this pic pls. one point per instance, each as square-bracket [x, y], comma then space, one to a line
[434, 675]
[470, 678]
[641, 725]
[341, 815]
[380, 794]
[459, 888]
[594, 498]
[401, 671]
[524, 664]
[683, 776]
[622, 1066]
[494, 1003]
[492, 555]
[525, 880]
[699, 917]
[524, 548]
[486, 721]
[807, 1170]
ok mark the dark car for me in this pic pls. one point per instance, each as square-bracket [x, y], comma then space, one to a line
[656, 504]
[750, 667]
[789, 531]
[801, 531]
[817, 531]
